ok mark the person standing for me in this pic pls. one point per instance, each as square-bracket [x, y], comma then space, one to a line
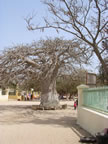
[75, 105]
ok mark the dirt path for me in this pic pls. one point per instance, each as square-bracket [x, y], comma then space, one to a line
[21, 125]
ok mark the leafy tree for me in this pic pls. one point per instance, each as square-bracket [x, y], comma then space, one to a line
[31, 82]
[41, 61]
[67, 84]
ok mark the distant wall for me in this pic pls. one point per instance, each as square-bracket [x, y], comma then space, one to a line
[3, 97]
[13, 97]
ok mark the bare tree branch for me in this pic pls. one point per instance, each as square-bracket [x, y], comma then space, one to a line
[84, 20]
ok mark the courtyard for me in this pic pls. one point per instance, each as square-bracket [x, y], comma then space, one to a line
[19, 124]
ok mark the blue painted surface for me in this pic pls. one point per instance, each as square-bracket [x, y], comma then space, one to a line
[96, 98]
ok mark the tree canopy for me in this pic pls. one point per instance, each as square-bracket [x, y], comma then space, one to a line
[41, 61]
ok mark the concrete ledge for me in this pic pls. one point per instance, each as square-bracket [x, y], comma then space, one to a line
[95, 112]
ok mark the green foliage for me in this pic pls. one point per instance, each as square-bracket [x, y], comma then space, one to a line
[31, 83]
[67, 84]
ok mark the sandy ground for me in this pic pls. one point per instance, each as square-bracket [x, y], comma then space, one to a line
[19, 124]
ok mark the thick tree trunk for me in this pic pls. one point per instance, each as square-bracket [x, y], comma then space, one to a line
[49, 96]
[102, 61]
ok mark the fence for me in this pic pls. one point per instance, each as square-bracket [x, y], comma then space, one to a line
[96, 98]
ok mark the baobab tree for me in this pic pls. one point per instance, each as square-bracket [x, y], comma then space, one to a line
[84, 19]
[43, 61]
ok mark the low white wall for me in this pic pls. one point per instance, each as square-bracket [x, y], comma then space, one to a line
[92, 121]
[3, 97]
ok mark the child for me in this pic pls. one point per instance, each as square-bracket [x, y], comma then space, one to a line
[75, 105]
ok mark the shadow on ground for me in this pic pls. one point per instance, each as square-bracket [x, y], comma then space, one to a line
[10, 115]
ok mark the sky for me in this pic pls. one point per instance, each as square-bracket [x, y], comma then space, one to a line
[13, 28]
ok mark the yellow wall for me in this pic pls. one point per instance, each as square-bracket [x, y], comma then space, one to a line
[12, 97]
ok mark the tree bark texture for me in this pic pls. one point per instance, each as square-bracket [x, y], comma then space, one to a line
[49, 96]
[101, 59]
